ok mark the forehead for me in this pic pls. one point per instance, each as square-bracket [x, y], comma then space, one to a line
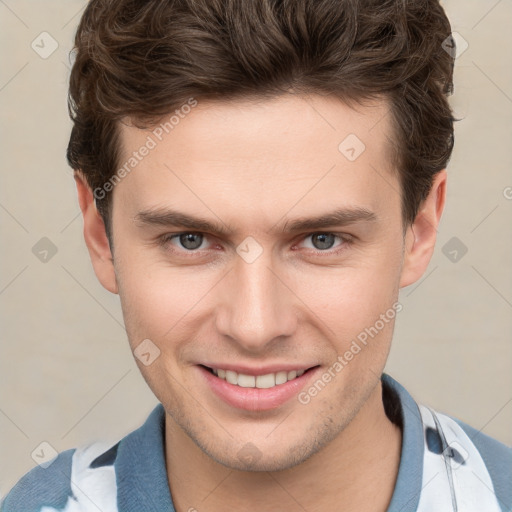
[261, 157]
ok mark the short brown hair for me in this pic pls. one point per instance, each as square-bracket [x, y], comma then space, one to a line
[142, 59]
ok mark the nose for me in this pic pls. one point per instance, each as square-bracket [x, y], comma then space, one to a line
[256, 306]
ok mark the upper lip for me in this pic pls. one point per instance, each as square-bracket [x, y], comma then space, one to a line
[260, 370]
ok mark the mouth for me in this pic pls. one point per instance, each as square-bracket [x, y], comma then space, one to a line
[256, 390]
[267, 381]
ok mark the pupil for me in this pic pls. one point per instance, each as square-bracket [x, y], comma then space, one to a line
[191, 240]
[323, 240]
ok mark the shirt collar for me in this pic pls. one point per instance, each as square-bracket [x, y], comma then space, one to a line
[141, 475]
[410, 472]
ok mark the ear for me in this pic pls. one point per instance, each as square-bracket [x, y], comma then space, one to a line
[420, 237]
[95, 236]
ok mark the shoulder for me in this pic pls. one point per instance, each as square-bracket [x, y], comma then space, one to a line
[68, 483]
[100, 475]
[498, 461]
[478, 468]
[494, 451]
[42, 486]
[444, 460]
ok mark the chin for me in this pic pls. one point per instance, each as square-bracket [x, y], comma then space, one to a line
[264, 455]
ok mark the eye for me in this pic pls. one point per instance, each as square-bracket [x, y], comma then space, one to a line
[322, 241]
[190, 241]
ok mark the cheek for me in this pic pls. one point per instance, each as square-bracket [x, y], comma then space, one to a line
[157, 299]
[352, 298]
[163, 305]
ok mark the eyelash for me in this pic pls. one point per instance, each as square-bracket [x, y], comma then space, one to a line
[345, 239]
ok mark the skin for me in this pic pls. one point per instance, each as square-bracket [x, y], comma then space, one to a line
[254, 167]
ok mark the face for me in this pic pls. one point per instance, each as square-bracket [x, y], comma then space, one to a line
[250, 246]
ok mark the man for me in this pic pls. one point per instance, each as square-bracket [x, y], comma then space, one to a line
[258, 180]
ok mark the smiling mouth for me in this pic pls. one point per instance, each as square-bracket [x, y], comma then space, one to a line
[270, 380]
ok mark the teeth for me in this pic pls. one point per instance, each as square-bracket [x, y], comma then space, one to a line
[265, 381]
[261, 381]
[231, 377]
[281, 377]
[246, 381]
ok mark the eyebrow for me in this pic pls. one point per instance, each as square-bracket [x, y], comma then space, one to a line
[340, 217]
[169, 217]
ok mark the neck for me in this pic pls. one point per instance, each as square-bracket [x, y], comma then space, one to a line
[367, 451]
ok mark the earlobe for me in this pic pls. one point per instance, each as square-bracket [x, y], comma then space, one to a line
[95, 236]
[421, 235]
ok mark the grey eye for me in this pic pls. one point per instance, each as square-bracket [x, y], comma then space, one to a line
[323, 241]
[191, 241]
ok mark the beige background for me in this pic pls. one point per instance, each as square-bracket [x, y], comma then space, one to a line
[67, 375]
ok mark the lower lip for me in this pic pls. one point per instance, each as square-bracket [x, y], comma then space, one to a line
[255, 399]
